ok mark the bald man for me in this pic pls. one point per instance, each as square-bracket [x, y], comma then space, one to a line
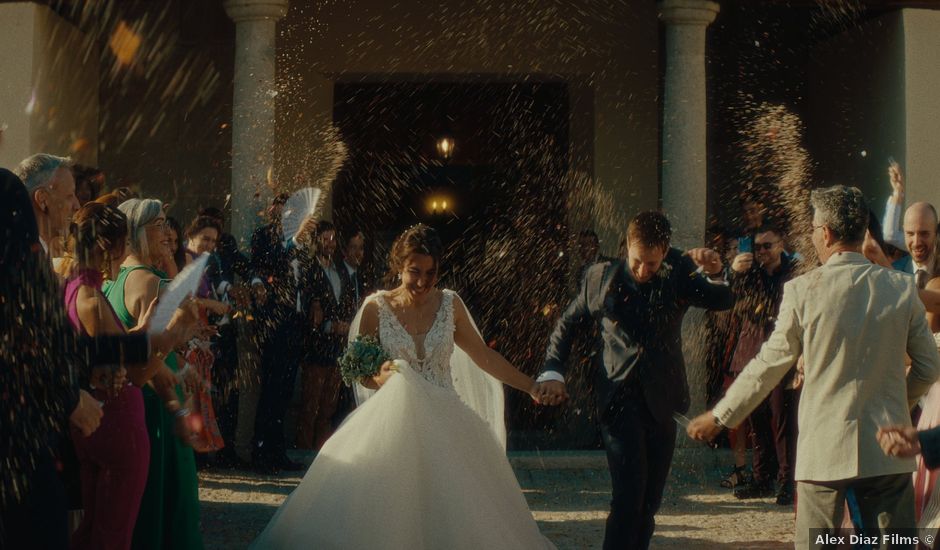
[920, 238]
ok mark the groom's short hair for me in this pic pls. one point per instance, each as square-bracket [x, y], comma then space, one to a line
[650, 229]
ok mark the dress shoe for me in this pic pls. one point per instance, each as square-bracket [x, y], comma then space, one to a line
[754, 490]
[785, 495]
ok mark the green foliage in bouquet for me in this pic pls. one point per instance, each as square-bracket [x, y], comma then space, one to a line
[363, 359]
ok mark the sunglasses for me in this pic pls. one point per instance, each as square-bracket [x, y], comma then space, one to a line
[765, 246]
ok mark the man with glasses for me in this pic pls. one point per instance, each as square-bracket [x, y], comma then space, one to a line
[757, 281]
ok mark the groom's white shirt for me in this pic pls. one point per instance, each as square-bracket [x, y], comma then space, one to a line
[852, 322]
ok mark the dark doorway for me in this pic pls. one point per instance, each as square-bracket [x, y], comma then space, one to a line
[504, 219]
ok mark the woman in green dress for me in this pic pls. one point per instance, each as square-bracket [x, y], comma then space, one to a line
[169, 511]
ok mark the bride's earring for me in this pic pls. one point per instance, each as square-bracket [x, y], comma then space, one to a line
[398, 276]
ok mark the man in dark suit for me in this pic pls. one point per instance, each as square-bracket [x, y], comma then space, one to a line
[279, 290]
[357, 284]
[320, 375]
[638, 305]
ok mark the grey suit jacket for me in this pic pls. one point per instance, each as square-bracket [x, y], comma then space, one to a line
[853, 322]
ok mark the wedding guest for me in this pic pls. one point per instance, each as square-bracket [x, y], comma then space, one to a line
[229, 276]
[757, 281]
[169, 511]
[356, 284]
[201, 238]
[49, 180]
[233, 261]
[115, 459]
[917, 234]
[320, 372]
[643, 382]
[176, 242]
[852, 322]
[42, 396]
[753, 212]
[279, 291]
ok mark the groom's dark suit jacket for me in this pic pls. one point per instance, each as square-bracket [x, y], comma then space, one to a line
[640, 328]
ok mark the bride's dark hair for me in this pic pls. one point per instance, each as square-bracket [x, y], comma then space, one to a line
[417, 239]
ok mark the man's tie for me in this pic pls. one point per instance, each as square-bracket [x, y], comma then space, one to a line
[355, 285]
[920, 278]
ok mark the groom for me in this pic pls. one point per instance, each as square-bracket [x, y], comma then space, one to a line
[638, 306]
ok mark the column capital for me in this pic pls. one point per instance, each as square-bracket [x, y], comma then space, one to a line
[688, 12]
[255, 10]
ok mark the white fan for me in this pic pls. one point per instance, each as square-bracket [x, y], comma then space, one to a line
[184, 284]
[300, 206]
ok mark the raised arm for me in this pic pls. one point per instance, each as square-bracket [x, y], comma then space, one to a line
[891, 226]
[697, 285]
[488, 359]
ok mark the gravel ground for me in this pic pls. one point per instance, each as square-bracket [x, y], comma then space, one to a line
[570, 505]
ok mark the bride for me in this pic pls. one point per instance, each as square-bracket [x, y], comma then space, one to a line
[421, 463]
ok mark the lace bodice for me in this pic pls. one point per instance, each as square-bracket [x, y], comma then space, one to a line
[438, 345]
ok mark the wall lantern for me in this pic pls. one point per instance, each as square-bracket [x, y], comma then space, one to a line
[445, 147]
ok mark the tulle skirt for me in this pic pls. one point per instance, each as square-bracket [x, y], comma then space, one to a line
[412, 467]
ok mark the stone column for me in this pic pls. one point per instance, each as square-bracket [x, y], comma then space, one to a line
[252, 161]
[252, 109]
[684, 167]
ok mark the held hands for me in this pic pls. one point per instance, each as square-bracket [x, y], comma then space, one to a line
[703, 427]
[707, 259]
[900, 441]
[742, 262]
[550, 392]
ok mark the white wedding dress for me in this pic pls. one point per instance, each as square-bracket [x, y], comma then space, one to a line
[413, 467]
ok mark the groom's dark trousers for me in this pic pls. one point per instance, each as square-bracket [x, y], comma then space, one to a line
[641, 380]
[639, 454]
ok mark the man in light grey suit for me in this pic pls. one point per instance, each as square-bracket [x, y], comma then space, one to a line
[852, 322]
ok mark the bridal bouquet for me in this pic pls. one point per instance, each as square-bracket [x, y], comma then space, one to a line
[363, 359]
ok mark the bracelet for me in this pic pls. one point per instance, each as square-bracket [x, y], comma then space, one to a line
[180, 413]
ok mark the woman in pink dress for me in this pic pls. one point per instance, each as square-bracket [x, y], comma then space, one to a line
[115, 458]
